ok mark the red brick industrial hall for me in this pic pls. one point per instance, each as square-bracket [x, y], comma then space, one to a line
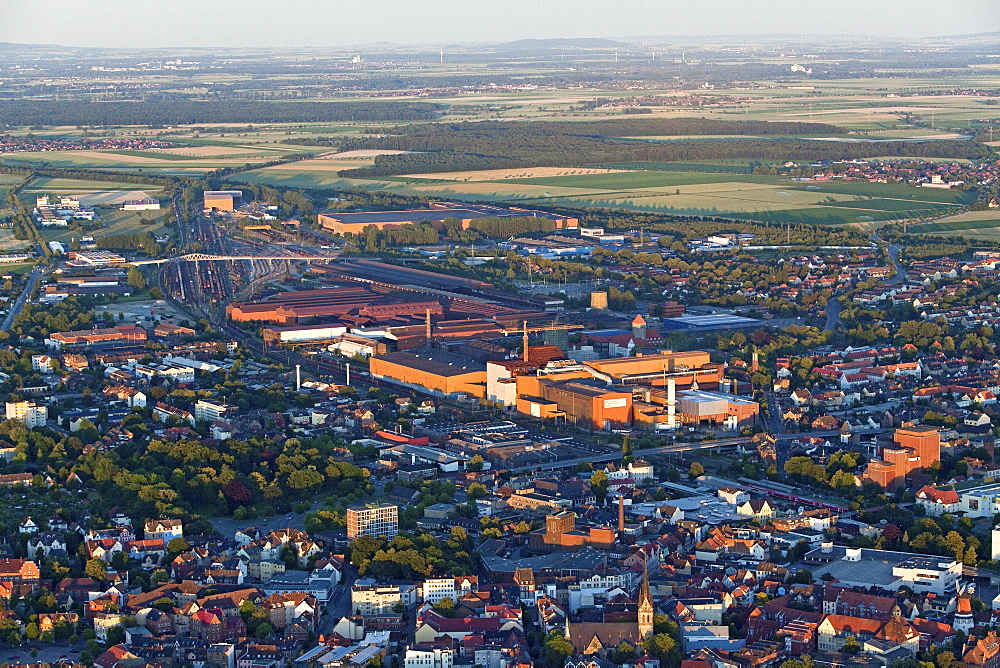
[375, 294]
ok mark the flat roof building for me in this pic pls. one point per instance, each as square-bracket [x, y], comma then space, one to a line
[89, 337]
[223, 200]
[354, 223]
[432, 371]
[373, 519]
[683, 367]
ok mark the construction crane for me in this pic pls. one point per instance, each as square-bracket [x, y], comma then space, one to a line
[525, 331]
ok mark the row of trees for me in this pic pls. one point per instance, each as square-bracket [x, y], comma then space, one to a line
[182, 112]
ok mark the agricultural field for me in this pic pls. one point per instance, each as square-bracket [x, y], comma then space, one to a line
[985, 224]
[54, 186]
[664, 188]
[9, 244]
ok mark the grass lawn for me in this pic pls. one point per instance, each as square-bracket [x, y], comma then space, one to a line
[16, 268]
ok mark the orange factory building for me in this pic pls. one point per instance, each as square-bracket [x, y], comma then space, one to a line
[223, 200]
[581, 401]
[355, 223]
[654, 370]
[913, 448]
[560, 533]
[433, 371]
[89, 337]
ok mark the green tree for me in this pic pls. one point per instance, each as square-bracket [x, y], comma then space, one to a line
[599, 485]
[136, 279]
[96, 569]
[556, 649]
[178, 545]
[445, 606]
[660, 645]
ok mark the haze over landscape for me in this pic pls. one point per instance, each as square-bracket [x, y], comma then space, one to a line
[324, 23]
[508, 334]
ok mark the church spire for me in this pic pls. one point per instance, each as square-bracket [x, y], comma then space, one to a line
[645, 606]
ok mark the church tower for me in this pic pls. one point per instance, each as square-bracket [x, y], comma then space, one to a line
[645, 607]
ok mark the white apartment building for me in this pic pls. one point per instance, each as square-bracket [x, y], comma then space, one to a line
[436, 657]
[369, 598]
[435, 589]
[212, 410]
[41, 363]
[31, 414]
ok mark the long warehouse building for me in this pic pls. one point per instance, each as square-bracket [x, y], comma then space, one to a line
[355, 223]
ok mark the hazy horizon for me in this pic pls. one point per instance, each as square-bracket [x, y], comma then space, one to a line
[337, 23]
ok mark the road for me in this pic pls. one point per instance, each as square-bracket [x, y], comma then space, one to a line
[776, 426]
[8, 320]
[833, 309]
[892, 250]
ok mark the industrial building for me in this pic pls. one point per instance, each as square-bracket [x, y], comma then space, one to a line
[223, 200]
[355, 223]
[696, 407]
[357, 303]
[684, 367]
[127, 334]
[373, 519]
[584, 402]
[147, 204]
[433, 371]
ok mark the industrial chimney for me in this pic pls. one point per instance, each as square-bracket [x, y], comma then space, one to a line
[621, 515]
[671, 403]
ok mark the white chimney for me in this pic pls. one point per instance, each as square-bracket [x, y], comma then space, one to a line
[298, 377]
[671, 403]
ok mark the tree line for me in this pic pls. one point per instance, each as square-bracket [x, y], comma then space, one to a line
[183, 112]
[472, 146]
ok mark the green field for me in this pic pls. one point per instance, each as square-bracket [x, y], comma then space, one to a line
[642, 179]
[900, 205]
[16, 268]
[709, 193]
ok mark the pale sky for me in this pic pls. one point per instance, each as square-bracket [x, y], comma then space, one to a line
[337, 23]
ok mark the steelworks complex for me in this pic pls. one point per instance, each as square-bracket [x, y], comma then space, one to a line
[452, 337]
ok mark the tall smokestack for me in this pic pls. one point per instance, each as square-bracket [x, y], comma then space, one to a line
[525, 340]
[298, 377]
[621, 515]
[428, 325]
[736, 385]
[755, 365]
[671, 403]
